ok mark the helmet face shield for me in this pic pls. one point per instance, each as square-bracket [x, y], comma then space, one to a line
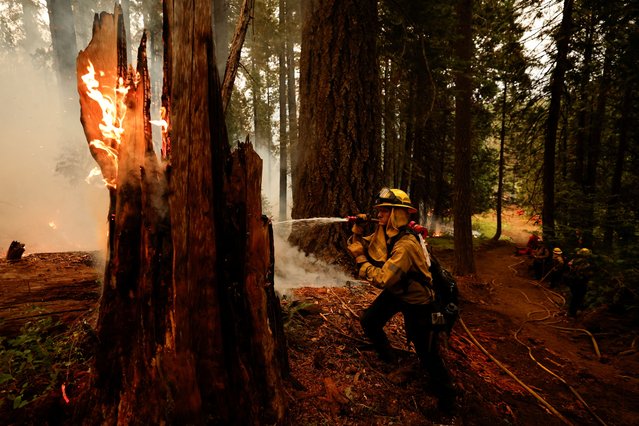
[386, 196]
[394, 198]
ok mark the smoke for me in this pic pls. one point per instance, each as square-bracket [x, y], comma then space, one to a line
[44, 202]
[292, 267]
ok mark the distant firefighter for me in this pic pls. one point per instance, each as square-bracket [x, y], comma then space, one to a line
[581, 271]
[558, 267]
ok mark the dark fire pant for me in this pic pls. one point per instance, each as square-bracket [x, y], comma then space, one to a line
[417, 319]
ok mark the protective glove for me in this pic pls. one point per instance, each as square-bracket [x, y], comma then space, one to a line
[359, 220]
[356, 249]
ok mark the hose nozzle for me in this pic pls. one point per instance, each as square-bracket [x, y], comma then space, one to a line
[360, 218]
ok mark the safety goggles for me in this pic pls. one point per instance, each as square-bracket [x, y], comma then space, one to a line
[387, 196]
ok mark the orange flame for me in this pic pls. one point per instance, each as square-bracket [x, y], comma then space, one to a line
[113, 110]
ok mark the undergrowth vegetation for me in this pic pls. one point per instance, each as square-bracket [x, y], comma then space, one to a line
[38, 359]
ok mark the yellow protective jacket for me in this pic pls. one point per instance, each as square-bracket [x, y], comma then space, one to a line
[400, 273]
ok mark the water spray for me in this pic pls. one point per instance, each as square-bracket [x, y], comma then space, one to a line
[327, 220]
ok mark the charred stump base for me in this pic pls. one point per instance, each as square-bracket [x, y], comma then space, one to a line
[16, 249]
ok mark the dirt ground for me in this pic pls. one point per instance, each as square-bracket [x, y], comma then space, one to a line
[515, 356]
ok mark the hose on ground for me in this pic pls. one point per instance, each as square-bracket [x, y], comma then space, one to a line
[514, 377]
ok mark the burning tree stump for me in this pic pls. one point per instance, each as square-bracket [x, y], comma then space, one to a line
[189, 326]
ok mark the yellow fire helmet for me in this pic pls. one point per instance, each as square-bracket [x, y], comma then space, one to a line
[583, 252]
[394, 198]
[557, 250]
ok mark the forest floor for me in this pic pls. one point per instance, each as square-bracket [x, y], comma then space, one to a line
[515, 356]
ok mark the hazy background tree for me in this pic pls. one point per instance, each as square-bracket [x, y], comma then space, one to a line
[64, 44]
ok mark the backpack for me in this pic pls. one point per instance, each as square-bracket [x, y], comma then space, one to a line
[446, 304]
[446, 295]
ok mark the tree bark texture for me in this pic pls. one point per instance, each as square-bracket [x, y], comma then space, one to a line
[189, 326]
[464, 259]
[339, 151]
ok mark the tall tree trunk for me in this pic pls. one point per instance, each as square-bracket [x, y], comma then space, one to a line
[615, 185]
[233, 61]
[188, 325]
[293, 136]
[283, 112]
[32, 38]
[464, 259]
[338, 168]
[388, 122]
[500, 179]
[594, 151]
[64, 43]
[584, 106]
[550, 139]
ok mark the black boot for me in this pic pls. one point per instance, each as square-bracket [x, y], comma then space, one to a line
[385, 353]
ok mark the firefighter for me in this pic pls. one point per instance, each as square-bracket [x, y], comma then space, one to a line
[392, 259]
[580, 272]
[541, 258]
[558, 267]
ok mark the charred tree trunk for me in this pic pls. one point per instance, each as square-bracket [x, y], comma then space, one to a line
[338, 161]
[189, 325]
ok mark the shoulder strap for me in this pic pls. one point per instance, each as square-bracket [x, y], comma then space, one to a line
[402, 231]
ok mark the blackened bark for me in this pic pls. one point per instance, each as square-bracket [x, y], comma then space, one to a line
[188, 324]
